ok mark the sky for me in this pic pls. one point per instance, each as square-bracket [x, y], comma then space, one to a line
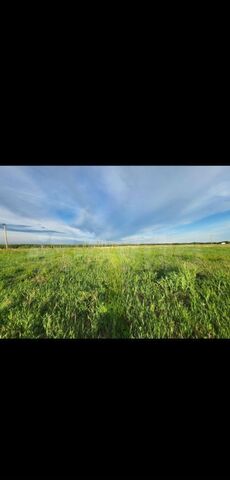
[123, 204]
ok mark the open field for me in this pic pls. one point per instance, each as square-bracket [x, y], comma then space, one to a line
[115, 292]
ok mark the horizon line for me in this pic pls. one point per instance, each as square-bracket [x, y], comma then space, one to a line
[105, 244]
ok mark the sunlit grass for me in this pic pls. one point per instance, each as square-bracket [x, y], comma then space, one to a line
[115, 292]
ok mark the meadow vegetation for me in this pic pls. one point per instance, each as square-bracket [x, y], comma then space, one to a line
[115, 292]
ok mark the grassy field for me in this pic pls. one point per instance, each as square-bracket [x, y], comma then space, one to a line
[115, 292]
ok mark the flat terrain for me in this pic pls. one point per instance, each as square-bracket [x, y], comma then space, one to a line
[115, 292]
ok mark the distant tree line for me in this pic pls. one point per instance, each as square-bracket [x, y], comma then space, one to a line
[81, 245]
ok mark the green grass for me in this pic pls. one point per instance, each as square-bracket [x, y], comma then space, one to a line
[119, 292]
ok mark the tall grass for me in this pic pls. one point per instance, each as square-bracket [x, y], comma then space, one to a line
[117, 292]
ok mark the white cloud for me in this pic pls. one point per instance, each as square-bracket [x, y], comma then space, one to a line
[113, 202]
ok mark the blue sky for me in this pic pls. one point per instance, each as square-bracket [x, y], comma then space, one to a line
[130, 204]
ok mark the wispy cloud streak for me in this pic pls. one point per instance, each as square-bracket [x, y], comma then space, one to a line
[122, 203]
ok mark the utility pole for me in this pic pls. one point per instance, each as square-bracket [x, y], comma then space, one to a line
[5, 234]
